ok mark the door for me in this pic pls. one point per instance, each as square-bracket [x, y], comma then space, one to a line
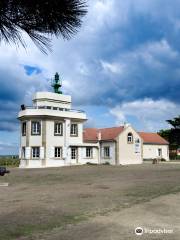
[74, 154]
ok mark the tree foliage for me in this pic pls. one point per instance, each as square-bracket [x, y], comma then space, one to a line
[173, 134]
[175, 122]
[40, 19]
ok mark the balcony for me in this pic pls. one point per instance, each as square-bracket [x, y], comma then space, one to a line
[23, 107]
[51, 111]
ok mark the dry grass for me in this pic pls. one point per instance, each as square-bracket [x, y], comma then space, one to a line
[38, 201]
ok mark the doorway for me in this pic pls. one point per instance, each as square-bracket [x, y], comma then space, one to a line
[74, 154]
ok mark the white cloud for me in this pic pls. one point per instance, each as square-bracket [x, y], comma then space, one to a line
[114, 67]
[150, 115]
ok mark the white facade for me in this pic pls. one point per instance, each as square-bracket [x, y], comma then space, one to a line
[112, 152]
[50, 131]
[151, 151]
[52, 136]
[129, 152]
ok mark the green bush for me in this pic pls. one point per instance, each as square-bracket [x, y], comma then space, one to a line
[9, 162]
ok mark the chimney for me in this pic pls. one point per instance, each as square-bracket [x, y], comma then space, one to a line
[99, 136]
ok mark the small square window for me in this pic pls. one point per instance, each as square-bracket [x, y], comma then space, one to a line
[35, 152]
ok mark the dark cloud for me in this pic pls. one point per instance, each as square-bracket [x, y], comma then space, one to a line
[125, 51]
[16, 88]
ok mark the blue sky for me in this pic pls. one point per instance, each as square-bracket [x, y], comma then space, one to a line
[122, 66]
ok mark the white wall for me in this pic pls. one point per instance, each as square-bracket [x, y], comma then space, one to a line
[35, 140]
[23, 141]
[127, 151]
[112, 159]
[51, 140]
[150, 151]
[79, 139]
[82, 156]
[55, 163]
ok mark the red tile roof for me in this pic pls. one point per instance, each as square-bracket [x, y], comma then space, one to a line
[153, 138]
[91, 134]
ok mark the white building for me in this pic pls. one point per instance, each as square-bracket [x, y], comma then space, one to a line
[52, 136]
[154, 146]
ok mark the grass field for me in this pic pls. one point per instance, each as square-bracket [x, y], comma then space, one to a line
[89, 202]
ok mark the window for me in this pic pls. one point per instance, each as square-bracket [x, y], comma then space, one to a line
[58, 128]
[23, 153]
[106, 152]
[159, 152]
[58, 152]
[24, 129]
[73, 153]
[35, 152]
[89, 152]
[35, 128]
[74, 129]
[130, 138]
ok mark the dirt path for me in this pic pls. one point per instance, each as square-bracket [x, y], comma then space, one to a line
[162, 212]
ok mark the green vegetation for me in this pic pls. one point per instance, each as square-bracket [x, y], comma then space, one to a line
[9, 162]
[40, 20]
[172, 136]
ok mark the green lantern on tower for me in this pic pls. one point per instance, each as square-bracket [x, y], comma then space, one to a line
[57, 84]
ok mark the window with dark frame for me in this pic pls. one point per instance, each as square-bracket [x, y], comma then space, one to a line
[35, 128]
[89, 152]
[35, 152]
[106, 152]
[74, 129]
[130, 138]
[23, 128]
[73, 153]
[58, 128]
[58, 152]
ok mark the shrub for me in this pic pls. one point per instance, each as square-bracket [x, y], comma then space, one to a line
[9, 162]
